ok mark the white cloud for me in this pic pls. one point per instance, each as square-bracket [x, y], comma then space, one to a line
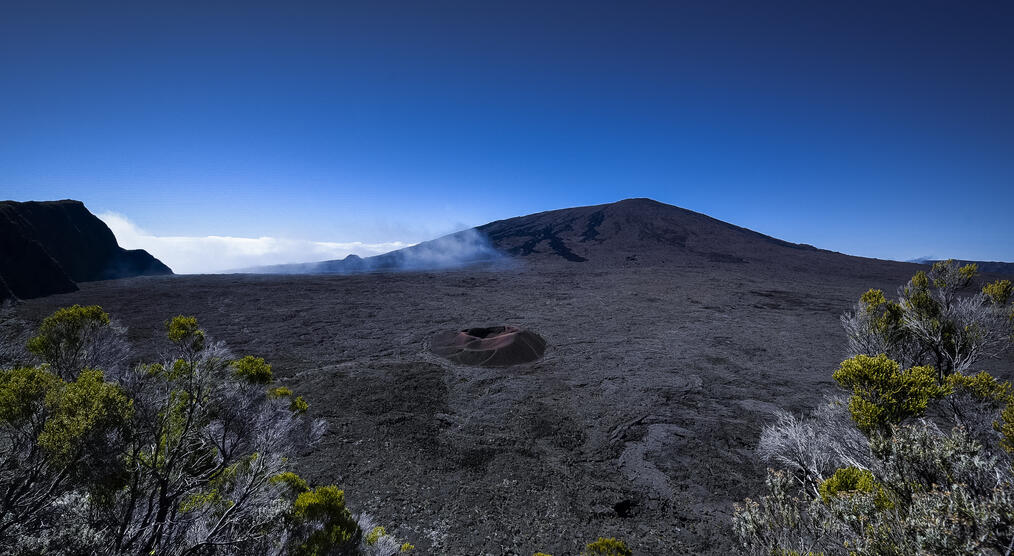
[211, 254]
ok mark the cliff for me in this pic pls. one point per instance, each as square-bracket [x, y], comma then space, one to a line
[46, 247]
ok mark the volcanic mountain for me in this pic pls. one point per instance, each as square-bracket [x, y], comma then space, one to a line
[46, 247]
[631, 232]
[664, 342]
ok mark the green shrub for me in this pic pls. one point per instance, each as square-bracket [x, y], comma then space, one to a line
[883, 394]
[606, 547]
[374, 535]
[999, 292]
[252, 369]
[850, 480]
[185, 334]
[291, 480]
[64, 337]
[339, 533]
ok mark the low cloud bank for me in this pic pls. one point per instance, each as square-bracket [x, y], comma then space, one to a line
[216, 254]
[451, 251]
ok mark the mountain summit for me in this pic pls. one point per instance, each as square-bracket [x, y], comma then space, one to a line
[628, 232]
[641, 230]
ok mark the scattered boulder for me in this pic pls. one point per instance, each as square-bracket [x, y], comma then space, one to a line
[494, 346]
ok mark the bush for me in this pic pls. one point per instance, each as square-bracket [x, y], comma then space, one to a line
[188, 455]
[77, 337]
[883, 394]
[931, 323]
[917, 459]
[607, 547]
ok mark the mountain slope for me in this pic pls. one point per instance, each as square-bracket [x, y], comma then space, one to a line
[630, 230]
[45, 247]
[626, 233]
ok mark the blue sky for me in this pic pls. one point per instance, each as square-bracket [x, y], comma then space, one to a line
[882, 129]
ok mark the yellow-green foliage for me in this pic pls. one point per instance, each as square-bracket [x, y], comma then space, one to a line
[883, 394]
[23, 392]
[1006, 428]
[847, 480]
[324, 505]
[279, 392]
[74, 412]
[65, 331]
[374, 535]
[607, 547]
[981, 386]
[184, 332]
[998, 393]
[299, 405]
[407, 547]
[999, 292]
[887, 314]
[968, 271]
[79, 409]
[918, 298]
[962, 279]
[252, 369]
[202, 499]
[541, 554]
[291, 480]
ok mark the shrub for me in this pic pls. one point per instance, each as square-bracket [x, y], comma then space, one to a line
[190, 455]
[607, 547]
[253, 370]
[322, 523]
[931, 324]
[883, 394]
[77, 337]
[888, 479]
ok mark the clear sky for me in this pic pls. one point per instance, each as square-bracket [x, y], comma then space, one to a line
[297, 129]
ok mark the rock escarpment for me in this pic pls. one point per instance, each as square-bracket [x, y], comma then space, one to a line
[47, 247]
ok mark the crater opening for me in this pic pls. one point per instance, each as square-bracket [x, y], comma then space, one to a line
[625, 508]
[489, 346]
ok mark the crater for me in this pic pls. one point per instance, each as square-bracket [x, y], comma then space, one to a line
[491, 346]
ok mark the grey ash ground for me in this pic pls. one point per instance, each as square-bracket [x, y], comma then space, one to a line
[639, 422]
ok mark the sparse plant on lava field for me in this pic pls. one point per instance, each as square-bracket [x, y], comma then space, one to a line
[916, 457]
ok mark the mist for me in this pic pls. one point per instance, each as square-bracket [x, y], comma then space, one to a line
[224, 254]
[456, 250]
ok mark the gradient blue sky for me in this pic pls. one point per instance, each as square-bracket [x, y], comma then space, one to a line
[879, 128]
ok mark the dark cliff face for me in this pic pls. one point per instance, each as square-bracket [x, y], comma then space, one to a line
[45, 247]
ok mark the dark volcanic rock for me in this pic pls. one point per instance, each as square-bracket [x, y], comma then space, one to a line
[632, 232]
[25, 266]
[48, 246]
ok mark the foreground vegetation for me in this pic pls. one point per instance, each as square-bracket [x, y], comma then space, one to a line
[916, 456]
[189, 455]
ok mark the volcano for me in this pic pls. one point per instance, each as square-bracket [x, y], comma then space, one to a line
[662, 342]
[632, 232]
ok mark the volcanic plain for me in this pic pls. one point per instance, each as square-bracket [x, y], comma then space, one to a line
[668, 347]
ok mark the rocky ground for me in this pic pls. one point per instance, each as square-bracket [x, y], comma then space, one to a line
[639, 422]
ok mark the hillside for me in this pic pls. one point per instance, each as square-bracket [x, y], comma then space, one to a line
[46, 247]
[628, 233]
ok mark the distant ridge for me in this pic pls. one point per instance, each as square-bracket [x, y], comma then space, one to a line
[989, 267]
[48, 246]
[625, 233]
